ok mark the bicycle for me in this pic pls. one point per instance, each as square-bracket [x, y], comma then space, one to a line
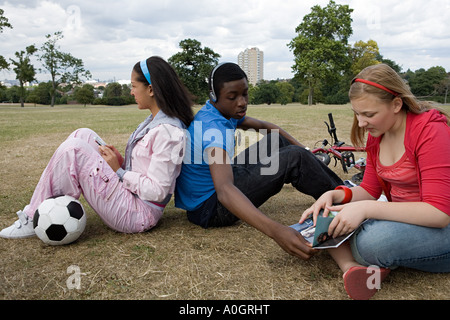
[340, 152]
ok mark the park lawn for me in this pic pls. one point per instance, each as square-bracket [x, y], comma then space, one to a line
[176, 260]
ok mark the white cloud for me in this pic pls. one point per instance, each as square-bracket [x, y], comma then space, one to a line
[110, 36]
[412, 33]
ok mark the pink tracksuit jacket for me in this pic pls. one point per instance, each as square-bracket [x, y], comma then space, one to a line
[130, 201]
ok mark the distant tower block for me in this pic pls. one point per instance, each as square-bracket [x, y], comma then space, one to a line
[252, 62]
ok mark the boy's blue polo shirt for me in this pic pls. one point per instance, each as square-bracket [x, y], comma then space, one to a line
[209, 129]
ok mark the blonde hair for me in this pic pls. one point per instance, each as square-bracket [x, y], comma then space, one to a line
[384, 75]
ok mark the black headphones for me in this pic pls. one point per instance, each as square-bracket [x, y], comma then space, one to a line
[212, 94]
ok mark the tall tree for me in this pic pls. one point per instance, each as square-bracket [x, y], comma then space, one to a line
[84, 94]
[364, 54]
[444, 86]
[24, 70]
[113, 94]
[287, 92]
[40, 94]
[266, 92]
[4, 23]
[321, 46]
[63, 67]
[390, 63]
[193, 65]
[425, 83]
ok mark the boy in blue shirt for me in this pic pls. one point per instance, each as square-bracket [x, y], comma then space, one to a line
[217, 189]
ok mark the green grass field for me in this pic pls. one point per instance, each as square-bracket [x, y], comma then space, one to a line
[176, 260]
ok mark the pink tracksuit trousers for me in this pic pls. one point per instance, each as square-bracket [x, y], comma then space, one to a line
[77, 168]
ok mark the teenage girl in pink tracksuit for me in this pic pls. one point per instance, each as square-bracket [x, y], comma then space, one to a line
[128, 193]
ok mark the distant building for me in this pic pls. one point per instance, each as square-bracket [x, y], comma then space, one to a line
[9, 83]
[252, 62]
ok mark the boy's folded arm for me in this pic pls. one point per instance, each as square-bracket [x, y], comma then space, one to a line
[230, 196]
[237, 203]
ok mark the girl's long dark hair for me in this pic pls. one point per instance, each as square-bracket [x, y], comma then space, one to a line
[171, 95]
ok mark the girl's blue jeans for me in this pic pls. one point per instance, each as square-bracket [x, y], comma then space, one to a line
[394, 244]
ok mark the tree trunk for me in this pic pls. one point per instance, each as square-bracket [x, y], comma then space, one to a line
[52, 94]
[310, 95]
[22, 93]
[446, 93]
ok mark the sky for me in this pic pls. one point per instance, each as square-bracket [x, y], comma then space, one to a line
[110, 36]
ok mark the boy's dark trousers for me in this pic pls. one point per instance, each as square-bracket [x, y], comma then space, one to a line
[259, 178]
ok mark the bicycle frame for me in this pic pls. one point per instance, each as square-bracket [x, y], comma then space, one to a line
[343, 154]
[339, 151]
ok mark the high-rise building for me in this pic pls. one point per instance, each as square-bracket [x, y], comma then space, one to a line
[252, 62]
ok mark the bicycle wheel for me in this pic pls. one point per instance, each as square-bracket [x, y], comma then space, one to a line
[324, 157]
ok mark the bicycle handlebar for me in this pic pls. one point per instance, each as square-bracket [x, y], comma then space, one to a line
[330, 116]
[332, 129]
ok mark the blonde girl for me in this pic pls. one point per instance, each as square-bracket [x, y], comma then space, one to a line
[408, 159]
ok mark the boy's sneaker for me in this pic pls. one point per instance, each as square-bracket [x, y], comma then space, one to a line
[22, 228]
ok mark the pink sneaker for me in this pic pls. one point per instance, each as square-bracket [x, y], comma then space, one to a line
[356, 281]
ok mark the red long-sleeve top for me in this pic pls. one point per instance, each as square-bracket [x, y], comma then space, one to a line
[427, 145]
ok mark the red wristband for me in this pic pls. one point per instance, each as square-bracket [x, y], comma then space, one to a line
[348, 193]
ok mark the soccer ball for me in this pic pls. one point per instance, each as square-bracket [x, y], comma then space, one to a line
[59, 220]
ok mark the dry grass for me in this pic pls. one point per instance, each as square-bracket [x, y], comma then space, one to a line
[177, 260]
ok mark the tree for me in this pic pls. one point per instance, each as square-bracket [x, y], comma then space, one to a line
[112, 94]
[24, 70]
[41, 93]
[3, 63]
[425, 83]
[287, 92]
[113, 89]
[4, 23]
[33, 97]
[13, 94]
[266, 92]
[117, 95]
[63, 67]
[194, 65]
[321, 46]
[390, 63]
[84, 94]
[364, 54]
[444, 86]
